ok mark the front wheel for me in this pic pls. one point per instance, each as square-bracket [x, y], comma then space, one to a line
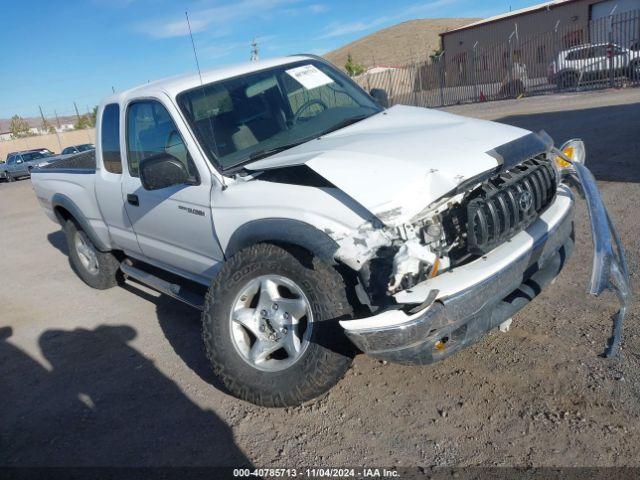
[9, 177]
[634, 71]
[270, 326]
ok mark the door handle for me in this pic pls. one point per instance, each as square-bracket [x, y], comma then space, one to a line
[133, 199]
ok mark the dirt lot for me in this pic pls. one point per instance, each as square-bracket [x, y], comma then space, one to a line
[120, 377]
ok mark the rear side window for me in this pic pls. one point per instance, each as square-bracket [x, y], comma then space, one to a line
[110, 138]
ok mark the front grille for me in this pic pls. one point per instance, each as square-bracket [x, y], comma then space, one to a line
[508, 203]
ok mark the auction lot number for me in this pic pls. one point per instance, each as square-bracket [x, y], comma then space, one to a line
[315, 473]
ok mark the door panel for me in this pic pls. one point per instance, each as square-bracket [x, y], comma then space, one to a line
[173, 225]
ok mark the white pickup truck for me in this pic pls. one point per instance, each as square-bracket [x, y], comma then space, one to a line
[304, 217]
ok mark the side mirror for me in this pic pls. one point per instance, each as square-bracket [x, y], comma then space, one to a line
[381, 96]
[162, 171]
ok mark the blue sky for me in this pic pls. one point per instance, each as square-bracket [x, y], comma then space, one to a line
[58, 52]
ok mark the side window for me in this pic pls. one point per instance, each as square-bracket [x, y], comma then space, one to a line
[110, 138]
[150, 132]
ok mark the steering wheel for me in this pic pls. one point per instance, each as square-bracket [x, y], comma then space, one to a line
[305, 106]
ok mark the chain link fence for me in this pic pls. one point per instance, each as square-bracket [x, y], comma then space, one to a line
[604, 53]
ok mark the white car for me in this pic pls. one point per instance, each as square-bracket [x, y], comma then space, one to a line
[317, 220]
[585, 63]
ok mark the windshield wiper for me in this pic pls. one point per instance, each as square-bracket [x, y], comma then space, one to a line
[344, 123]
[267, 152]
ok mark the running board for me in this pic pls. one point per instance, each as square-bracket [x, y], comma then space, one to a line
[172, 290]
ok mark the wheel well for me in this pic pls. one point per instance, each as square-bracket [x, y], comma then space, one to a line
[350, 277]
[62, 214]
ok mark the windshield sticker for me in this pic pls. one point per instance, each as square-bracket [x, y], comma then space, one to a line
[309, 76]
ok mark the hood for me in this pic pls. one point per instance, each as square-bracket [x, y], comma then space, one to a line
[397, 162]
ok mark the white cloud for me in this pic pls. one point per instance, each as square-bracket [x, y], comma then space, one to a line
[318, 8]
[338, 29]
[219, 16]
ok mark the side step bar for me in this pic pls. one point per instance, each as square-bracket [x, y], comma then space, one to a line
[172, 290]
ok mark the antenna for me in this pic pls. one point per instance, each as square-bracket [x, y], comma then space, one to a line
[193, 44]
[195, 54]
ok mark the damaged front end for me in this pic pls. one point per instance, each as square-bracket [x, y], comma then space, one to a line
[467, 263]
[609, 270]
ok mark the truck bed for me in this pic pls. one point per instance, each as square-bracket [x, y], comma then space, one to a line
[69, 184]
[82, 161]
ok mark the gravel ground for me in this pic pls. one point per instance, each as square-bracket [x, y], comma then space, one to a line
[119, 377]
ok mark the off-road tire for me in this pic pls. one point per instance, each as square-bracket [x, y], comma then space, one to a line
[108, 266]
[329, 353]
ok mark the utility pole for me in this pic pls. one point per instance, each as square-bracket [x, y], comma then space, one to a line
[77, 113]
[42, 115]
[255, 54]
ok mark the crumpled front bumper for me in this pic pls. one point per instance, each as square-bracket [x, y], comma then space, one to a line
[457, 308]
[610, 270]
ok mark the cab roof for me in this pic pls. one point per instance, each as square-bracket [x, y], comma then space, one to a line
[174, 85]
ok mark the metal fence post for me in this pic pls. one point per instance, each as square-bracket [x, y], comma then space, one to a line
[420, 86]
[510, 66]
[474, 66]
[441, 73]
[611, 54]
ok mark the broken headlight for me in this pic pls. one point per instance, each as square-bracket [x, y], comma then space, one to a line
[423, 253]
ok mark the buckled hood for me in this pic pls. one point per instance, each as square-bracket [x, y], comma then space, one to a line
[397, 162]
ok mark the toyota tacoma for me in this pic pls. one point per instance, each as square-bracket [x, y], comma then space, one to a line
[307, 220]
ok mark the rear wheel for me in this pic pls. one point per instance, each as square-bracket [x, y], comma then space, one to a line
[569, 80]
[97, 269]
[270, 326]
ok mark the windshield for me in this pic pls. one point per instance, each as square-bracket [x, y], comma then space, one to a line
[27, 157]
[241, 119]
[86, 147]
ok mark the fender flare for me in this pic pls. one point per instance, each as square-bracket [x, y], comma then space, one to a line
[283, 230]
[62, 201]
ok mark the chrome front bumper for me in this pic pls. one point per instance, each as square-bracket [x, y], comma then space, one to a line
[609, 269]
[457, 308]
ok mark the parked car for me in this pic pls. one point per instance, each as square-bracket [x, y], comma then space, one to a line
[585, 63]
[317, 220]
[85, 147]
[20, 164]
